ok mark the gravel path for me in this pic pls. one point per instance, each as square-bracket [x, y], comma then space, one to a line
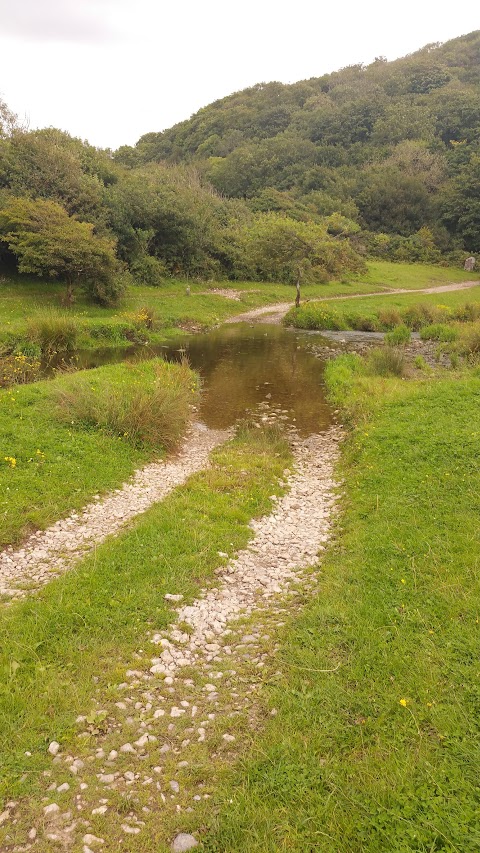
[194, 702]
[275, 313]
[49, 553]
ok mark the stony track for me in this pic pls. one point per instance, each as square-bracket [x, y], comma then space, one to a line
[192, 698]
[49, 553]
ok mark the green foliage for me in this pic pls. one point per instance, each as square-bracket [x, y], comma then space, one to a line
[378, 139]
[152, 414]
[53, 331]
[439, 332]
[48, 242]
[280, 249]
[386, 361]
[398, 336]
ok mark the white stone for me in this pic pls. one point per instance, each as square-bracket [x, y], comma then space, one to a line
[183, 842]
[54, 748]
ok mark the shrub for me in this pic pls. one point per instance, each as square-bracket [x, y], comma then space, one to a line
[386, 361]
[18, 369]
[438, 332]
[398, 336]
[467, 313]
[418, 315]
[54, 331]
[469, 343]
[150, 407]
[389, 318]
[362, 322]
[420, 362]
[315, 317]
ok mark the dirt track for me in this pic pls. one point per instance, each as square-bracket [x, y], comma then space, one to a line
[276, 313]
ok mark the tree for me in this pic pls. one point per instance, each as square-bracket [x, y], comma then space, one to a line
[281, 249]
[48, 242]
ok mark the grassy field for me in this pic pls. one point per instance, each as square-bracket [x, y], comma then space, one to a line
[50, 465]
[376, 743]
[22, 299]
[85, 629]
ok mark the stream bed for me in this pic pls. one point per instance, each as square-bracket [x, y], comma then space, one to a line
[245, 370]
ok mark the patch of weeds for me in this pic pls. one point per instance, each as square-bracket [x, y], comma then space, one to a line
[399, 336]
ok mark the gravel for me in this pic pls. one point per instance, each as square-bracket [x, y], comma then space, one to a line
[49, 553]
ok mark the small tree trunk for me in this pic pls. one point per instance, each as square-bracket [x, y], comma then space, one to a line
[69, 296]
[297, 298]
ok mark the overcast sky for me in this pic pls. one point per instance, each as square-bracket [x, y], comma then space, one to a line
[110, 70]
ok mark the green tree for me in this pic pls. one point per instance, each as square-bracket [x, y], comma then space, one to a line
[278, 248]
[46, 241]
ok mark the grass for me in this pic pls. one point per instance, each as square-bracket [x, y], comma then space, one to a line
[22, 298]
[149, 407]
[59, 465]
[84, 629]
[376, 743]
[380, 313]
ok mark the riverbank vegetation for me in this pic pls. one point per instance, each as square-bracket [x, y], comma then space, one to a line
[36, 325]
[376, 732]
[78, 435]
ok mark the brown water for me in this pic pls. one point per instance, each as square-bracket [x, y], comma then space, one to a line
[244, 369]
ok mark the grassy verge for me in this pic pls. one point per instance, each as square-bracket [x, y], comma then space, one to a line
[65, 440]
[80, 633]
[376, 743]
[381, 313]
[155, 313]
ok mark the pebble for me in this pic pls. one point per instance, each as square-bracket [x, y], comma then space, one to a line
[54, 748]
[183, 842]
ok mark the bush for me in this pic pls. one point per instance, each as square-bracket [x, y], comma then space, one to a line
[469, 343]
[398, 336]
[389, 318]
[438, 332]
[54, 331]
[151, 407]
[362, 322]
[418, 315]
[18, 369]
[315, 317]
[468, 313]
[386, 361]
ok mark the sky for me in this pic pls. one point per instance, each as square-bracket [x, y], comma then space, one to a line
[111, 70]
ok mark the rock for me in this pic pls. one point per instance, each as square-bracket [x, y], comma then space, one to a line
[183, 842]
[54, 748]
[174, 786]
[51, 810]
[469, 264]
[171, 597]
[62, 788]
[92, 840]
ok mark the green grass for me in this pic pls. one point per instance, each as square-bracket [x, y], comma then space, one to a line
[376, 743]
[58, 466]
[366, 313]
[82, 631]
[22, 298]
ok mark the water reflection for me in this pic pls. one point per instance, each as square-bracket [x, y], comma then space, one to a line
[242, 367]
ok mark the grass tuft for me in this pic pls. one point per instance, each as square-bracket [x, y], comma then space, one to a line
[150, 414]
[54, 331]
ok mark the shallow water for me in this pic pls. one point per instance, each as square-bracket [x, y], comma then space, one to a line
[245, 369]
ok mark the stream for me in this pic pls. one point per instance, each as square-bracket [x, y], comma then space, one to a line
[244, 369]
